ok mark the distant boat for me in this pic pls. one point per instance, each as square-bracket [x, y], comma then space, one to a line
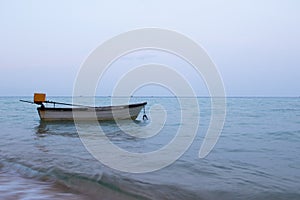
[86, 113]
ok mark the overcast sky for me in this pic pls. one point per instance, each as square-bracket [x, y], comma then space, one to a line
[255, 44]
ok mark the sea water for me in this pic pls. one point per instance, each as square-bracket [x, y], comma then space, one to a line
[256, 157]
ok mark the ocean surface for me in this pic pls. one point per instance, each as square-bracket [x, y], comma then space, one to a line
[256, 157]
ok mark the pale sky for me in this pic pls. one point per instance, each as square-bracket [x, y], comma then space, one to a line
[255, 44]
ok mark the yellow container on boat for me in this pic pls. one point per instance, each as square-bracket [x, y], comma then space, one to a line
[39, 97]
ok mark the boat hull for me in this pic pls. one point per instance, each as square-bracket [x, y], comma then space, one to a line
[90, 114]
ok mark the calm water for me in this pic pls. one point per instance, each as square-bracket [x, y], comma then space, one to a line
[256, 157]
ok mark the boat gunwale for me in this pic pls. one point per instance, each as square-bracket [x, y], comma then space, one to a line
[101, 108]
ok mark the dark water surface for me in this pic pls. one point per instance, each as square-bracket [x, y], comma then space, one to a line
[256, 157]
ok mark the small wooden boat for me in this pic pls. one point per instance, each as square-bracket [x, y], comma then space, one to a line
[86, 113]
[97, 113]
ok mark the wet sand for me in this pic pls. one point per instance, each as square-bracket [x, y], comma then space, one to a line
[14, 186]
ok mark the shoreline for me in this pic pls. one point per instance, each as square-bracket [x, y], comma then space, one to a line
[15, 186]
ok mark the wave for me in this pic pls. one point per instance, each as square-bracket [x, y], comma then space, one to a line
[98, 185]
[107, 185]
[102, 185]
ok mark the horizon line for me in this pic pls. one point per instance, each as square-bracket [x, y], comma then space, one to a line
[165, 96]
